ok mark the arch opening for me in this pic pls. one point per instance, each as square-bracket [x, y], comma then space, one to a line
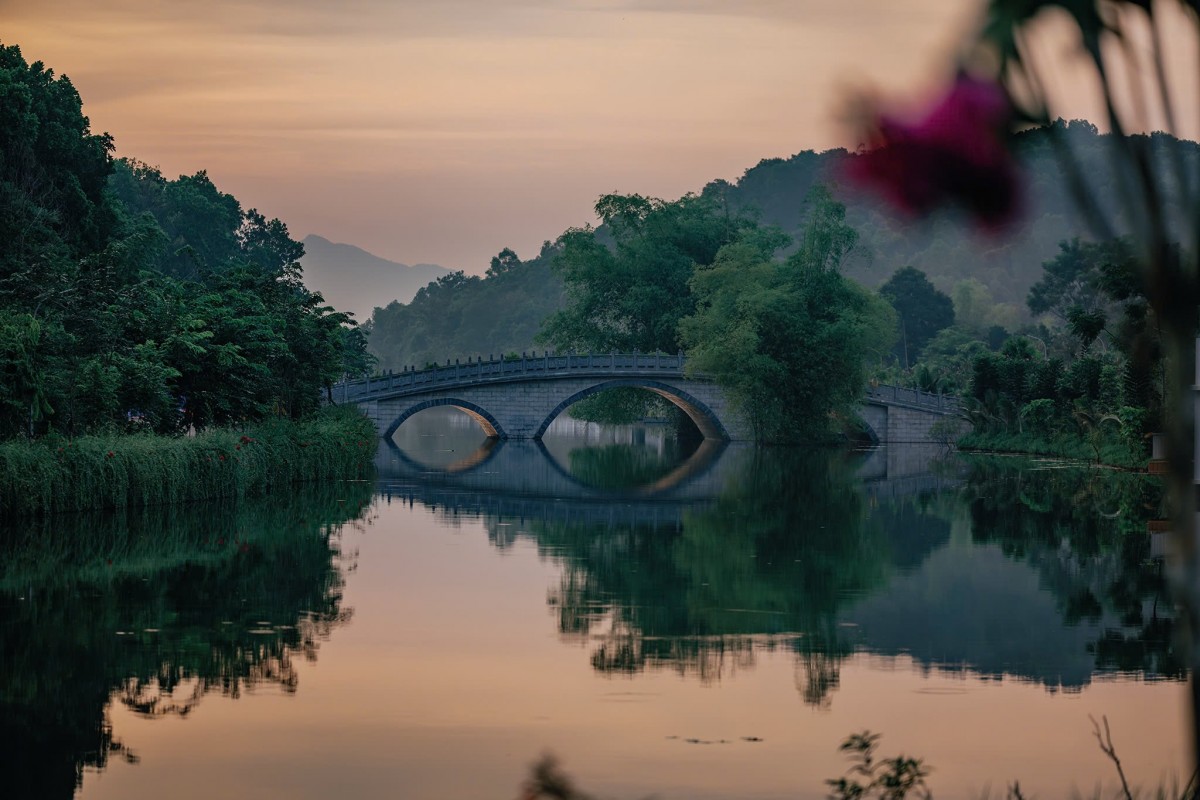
[490, 427]
[701, 415]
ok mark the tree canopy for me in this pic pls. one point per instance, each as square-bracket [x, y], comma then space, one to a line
[789, 339]
[131, 301]
[922, 310]
[628, 290]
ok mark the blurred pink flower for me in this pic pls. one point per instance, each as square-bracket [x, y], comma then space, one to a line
[956, 155]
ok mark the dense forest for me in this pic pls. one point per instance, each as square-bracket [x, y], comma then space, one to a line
[130, 301]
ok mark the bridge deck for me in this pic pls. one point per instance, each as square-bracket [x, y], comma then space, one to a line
[477, 372]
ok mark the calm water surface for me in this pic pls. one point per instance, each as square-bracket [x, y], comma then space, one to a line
[689, 622]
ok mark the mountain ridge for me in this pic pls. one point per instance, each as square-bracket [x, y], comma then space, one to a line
[355, 280]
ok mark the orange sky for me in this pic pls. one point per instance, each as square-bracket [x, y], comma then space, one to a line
[444, 130]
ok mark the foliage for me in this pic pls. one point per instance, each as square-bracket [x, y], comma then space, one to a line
[788, 340]
[55, 474]
[947, 361]
[632, 295]
[132, 302]
[922, 310]
[886, 779]
[465, 316]
[1099, 392]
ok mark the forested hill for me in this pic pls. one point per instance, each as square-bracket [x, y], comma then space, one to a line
[989, 273]
[351, 279]
[948, 250]
[462, 315]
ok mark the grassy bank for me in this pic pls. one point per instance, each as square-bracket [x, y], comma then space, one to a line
[1113, 453]
[52, 475]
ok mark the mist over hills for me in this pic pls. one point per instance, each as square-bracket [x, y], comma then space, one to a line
[351, 279]
[988, 275]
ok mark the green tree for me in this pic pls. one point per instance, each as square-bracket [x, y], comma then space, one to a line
[788, 339]
[631, 295]
[1078, 286]
[128, 300]
[922, 310]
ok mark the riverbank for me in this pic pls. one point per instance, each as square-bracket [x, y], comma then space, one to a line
[55, 474]
[1114, 454]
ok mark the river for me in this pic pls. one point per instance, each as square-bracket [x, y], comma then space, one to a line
[682, 621]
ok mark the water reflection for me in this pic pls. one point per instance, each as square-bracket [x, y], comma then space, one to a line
[767, 566]
[1084, 533]
[1001, 568]
[764, 572]
[155, 610]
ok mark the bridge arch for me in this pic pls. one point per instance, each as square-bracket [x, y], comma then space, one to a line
[486, 421]
[699, 413]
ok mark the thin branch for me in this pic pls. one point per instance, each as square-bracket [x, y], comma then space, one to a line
[1106, 747]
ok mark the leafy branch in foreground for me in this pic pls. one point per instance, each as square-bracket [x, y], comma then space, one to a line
[887, 779]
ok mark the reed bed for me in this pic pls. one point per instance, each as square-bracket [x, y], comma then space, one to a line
[54, 474]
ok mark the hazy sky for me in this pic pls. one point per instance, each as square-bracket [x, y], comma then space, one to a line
[444, 130]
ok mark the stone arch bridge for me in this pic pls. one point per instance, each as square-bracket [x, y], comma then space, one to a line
[519, 398]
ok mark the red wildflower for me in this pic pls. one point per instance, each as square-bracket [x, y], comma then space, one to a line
[957, 154]
[109, 454]
[246, 440]
[222, 456]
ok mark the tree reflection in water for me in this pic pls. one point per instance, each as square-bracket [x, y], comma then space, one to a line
[156, 610]
[783, 558]
[766, 567]
[632, 467]
[1084, 531]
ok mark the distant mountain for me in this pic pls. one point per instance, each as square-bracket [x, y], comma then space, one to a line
[351, 279]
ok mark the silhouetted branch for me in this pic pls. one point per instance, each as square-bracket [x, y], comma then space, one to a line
[1106, 746]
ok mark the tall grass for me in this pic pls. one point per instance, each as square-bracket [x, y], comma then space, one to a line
[1113, 453]
[54, 474]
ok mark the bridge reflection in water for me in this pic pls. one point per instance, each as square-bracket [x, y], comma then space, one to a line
[527, 479]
